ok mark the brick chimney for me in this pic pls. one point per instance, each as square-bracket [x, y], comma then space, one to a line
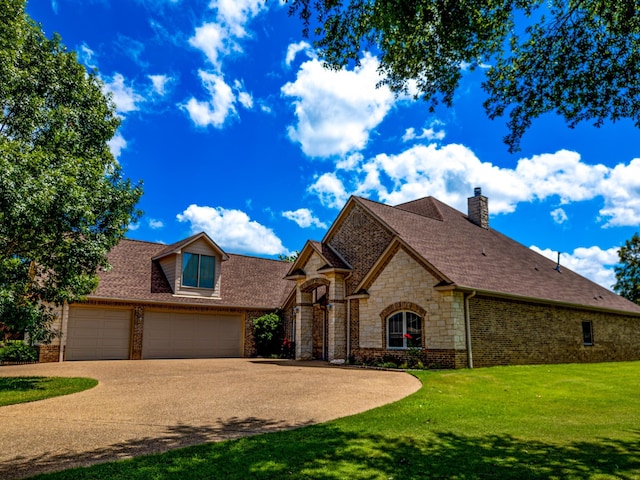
[478, 208]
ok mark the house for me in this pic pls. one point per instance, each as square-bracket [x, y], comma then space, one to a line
[186, 300]
[424, 274]
[384, 281]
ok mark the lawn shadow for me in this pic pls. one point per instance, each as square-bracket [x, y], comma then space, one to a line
[22, 384]
[326, 452]
[176, 436]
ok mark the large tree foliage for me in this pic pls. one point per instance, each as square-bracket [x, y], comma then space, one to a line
[628, 270]
[578, 58]
[63, 201]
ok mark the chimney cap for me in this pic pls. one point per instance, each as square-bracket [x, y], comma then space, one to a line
[477, 191]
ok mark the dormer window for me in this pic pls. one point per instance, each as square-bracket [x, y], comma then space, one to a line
[198, 270]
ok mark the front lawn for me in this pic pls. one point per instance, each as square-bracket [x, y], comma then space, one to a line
[561, 421]
[29, 389]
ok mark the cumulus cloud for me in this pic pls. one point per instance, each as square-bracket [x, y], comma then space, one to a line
[124, 96]
[218, 107]
[450, 172]
[336, 110]
[233, 230]
[217, 40]
[330, 190]
[591, 262]
[304, 218]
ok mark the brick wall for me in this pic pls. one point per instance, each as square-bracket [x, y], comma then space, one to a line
[360, 239]
[507, 332]
[48, 353]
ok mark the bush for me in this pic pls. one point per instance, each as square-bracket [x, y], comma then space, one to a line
[267, 332]
[17, 351]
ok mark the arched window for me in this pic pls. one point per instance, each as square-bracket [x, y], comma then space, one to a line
[404, 330]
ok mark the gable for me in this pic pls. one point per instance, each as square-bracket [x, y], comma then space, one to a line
[360, 239]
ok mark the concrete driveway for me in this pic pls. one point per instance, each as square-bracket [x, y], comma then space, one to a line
[142, 407]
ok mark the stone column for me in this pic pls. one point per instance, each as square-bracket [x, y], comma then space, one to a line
[304, 325]
[337, 318]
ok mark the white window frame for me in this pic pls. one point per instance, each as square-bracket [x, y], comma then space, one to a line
[404, 313]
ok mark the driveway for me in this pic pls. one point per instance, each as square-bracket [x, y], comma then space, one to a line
[149, 406]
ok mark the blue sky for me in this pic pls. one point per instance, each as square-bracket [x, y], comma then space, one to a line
[236, 129]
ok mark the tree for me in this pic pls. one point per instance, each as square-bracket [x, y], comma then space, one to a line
[63, 200]
[628, 270]
[289, 258]
[577, 58]
[267, 332]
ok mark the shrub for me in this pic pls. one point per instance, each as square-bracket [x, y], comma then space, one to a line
[267, 332]
[18, 351]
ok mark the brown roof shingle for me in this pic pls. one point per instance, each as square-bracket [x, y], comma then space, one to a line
[484, 259]
[246, 282]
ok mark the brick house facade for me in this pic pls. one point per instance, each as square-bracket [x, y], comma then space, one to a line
[422, 274]
[384, 283]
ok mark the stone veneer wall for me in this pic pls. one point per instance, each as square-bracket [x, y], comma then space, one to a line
[404, 284]
[507, 332]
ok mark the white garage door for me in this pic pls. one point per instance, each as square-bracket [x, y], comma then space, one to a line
[98, 334]
[190, 335]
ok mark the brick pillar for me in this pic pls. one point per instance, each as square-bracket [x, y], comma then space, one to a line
[138, 327]
[304, 325]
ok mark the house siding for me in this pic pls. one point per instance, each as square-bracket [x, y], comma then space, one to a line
[507, 332]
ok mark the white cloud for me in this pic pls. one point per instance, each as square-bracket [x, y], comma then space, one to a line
[124, 96]
[450, 172]
[132, 227]
[85, 55]
[336, 110]
[304, 218]
[235, 14]
[244, 97]
[117, 144]
[294, 48]
[621, 191]
[213, 40]
[330, 190]
[233, 230]
[430, 134]
[218, 108]
[160, 83]
[591, 262]
[155, 224]
[559, 216]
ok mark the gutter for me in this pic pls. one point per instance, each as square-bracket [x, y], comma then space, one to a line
[468, 328]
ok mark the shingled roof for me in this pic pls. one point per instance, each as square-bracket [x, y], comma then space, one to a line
[475, 258]
[247, 282]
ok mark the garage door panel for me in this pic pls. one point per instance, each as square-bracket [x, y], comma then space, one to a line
[188, 335]
[98, 334]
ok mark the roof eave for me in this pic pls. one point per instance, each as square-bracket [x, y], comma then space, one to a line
[526, 298]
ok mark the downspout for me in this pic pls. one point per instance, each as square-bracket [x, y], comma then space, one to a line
[468, 329]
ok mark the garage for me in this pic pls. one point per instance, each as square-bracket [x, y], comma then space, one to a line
[191, 335]
[98, 334]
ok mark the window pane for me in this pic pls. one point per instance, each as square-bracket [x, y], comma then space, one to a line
[207, 266]
[189, 270]
[587, 333]
[395, 331]
[414, 329]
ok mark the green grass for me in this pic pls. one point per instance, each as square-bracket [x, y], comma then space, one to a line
[561, 421]
[29, 389]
